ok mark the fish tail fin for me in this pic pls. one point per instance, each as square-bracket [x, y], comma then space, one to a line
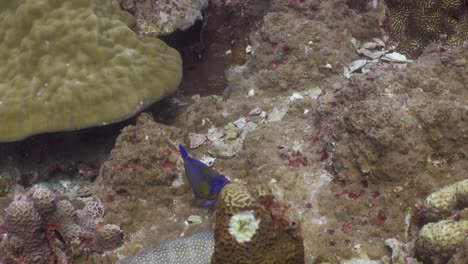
[183, 151]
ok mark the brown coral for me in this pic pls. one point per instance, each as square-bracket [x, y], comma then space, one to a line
[253, 227]
[419, 23]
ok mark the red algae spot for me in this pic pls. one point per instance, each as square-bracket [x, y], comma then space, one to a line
[381, 218]
[307, 205]
[375, 194]
[364, 184]
[323, 157]
[342, 182]
[347, 228]
[318, 131]
[167, 164]
[295, 159]
[354, 196]
[350, 195]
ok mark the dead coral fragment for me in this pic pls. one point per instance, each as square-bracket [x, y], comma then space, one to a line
[40, 229]
[418, 23]
[253, 227]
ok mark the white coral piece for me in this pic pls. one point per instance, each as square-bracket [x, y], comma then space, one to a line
[243, 226]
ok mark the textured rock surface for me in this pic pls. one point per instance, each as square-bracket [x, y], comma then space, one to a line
[399, 122]
[276, 239]
[421, 22]
[73, 64]
[143, 186]
[155, 17]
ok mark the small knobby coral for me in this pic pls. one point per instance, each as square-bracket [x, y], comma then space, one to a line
[40, 228]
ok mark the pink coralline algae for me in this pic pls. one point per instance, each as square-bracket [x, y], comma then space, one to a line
[41, 228]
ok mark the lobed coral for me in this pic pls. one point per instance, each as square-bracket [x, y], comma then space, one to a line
[253, 227]
[41, 228]
[74, 64]
[417, 23]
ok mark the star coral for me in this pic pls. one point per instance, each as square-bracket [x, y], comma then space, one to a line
[41, 228]
[417, 23]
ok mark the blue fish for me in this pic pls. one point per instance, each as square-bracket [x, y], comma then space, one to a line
[206, 183]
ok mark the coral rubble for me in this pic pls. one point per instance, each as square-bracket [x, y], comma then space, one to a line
[253, 227]
[41, 228]
[421, 22]
[73, 64]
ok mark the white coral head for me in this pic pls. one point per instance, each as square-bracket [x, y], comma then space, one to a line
[243, 226]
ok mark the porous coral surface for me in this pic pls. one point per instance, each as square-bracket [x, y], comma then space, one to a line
[73, 64]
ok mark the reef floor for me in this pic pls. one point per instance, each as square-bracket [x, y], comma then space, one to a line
[356, 156]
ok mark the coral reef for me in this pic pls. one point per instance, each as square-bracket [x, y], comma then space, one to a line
[194, 249]
[253, 227]
[68, 65]
[157, 18]
[41, 228]
[418, 23]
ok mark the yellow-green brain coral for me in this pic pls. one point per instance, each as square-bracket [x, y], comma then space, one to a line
[70, 64]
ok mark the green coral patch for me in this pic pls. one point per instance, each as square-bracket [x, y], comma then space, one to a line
[71, 64]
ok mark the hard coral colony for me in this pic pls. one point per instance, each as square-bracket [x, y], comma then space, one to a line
[41, 228]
